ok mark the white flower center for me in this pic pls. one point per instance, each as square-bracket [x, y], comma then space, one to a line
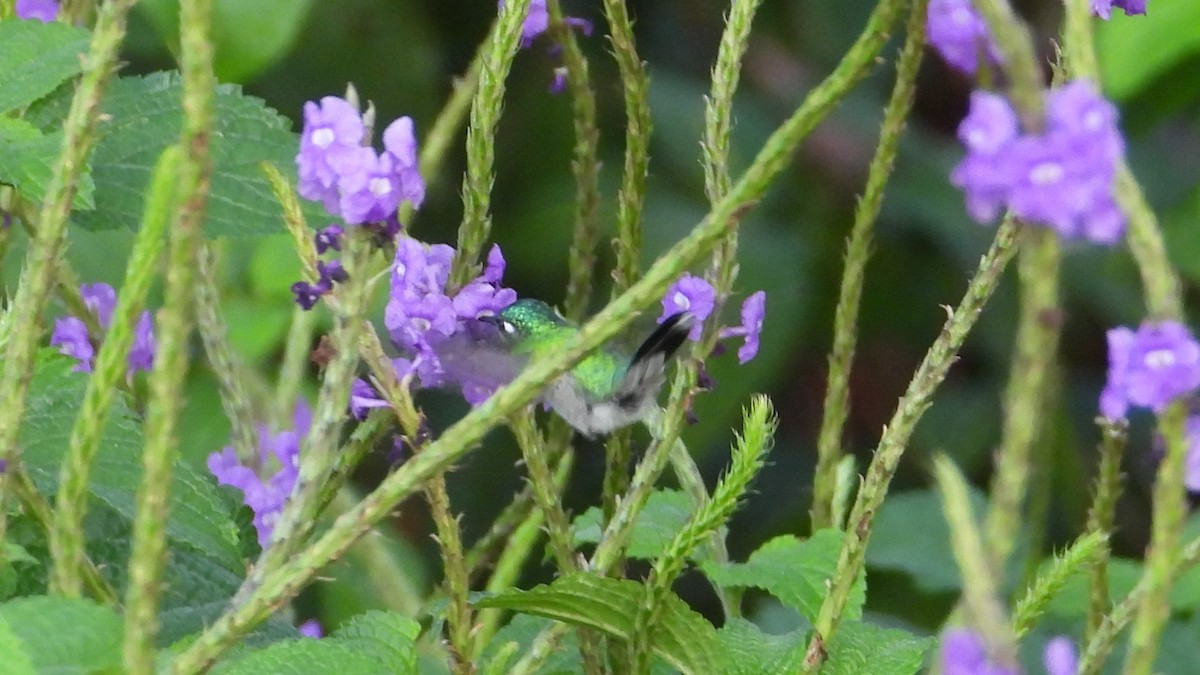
[1160, 358]
[380, 186]
[681, 301]
[323, 137]
[401, 269]
[1093, 120]
[1046, 173]
[421, 324]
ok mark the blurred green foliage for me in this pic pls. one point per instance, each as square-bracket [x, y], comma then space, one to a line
[403, 55]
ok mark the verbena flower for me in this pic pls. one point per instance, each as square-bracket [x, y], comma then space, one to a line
[311, 629]
[266, 481]
[1062, 177]
[421, 317]
[1103, 8]
[337, 167]
[695, 295]
[72, 339]
[41, 10]
[963, 653]
[959, 34]
[328, 239]
[328, 273]
[1191, 466]
[1060, 657]
[1149, 368]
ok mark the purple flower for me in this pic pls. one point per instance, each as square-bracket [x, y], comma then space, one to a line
[71, 337]
[1103, 8]
[71, 334]
[693, 295]
[1060, 658]
[42, 10]
[1062, 177]
[338, 168]
[959, 34]
[537, 21]
[963, 653]
[328, 238]
[330, 144]
[1191, 467]
[1149, 368]
[311, 629]
[559, 84]
[265, 481]
[754, 309]
[328, 273]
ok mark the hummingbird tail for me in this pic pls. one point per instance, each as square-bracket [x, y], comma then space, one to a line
[647, 370]
[667, 338]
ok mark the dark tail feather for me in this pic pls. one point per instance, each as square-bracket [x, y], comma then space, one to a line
[667, 338]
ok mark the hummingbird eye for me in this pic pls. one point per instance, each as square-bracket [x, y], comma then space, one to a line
[507, 327]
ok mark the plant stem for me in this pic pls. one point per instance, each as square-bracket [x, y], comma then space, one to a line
[67, 542]
[294, 365]
[896, 434]
[1102, 516]
[174, 324]
[1086, 551]
[836, 407]
[486, 108]
[45, 249]
[1025, 401]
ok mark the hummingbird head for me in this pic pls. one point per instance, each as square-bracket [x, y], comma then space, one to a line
[526, 318]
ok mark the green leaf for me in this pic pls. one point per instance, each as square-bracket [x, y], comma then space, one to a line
[145, 115]
[746, 650]
[199, 516]
[859, 647]
[13, 655]
[522, 630]
[248, 37]
[794, 570]
[683, 638]
[37, 57]
[375, 642]
[910, 535]
[27, 161]
[1162, 38]
[64, 636]
[665, 513]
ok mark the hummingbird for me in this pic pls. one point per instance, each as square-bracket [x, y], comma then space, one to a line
[609, 388]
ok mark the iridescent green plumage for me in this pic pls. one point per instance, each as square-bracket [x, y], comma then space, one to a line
[606, 390]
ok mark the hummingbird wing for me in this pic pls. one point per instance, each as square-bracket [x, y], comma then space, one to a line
[647, 369]
[479, 356]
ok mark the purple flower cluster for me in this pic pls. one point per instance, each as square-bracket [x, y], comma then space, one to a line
[41, 10]
[963, 653]
[696, 296]
[267, 480]
[1149, 368]
[338, 168]
[71, 334]
[1062, 177]
[328, 272]
[421, 316]
[959, 34]
[1103, 8]
[537, 21]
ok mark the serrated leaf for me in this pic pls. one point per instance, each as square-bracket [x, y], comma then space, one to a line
[144, 116]
[682, 637]
[859, 647]
[198, 518]
[37, 57]
[665, 513]
[374, 642]
[1170, 27]
[64, 636]
[796, 571]
[746, 650]
[27, 161]
[523, 629]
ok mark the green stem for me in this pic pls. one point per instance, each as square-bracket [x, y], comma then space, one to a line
[638, 125]
[224, 363]
[174, 324]
[486, 107]
[67, 542]
[294, 366]
[585, 166]
[449, 538]
[836, 407]
[1019, 58]
[514, 516]
[980, 594]
[1039, 325]
[1085, 552]
[896, 434]
[45, 249]
[1102, 516]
